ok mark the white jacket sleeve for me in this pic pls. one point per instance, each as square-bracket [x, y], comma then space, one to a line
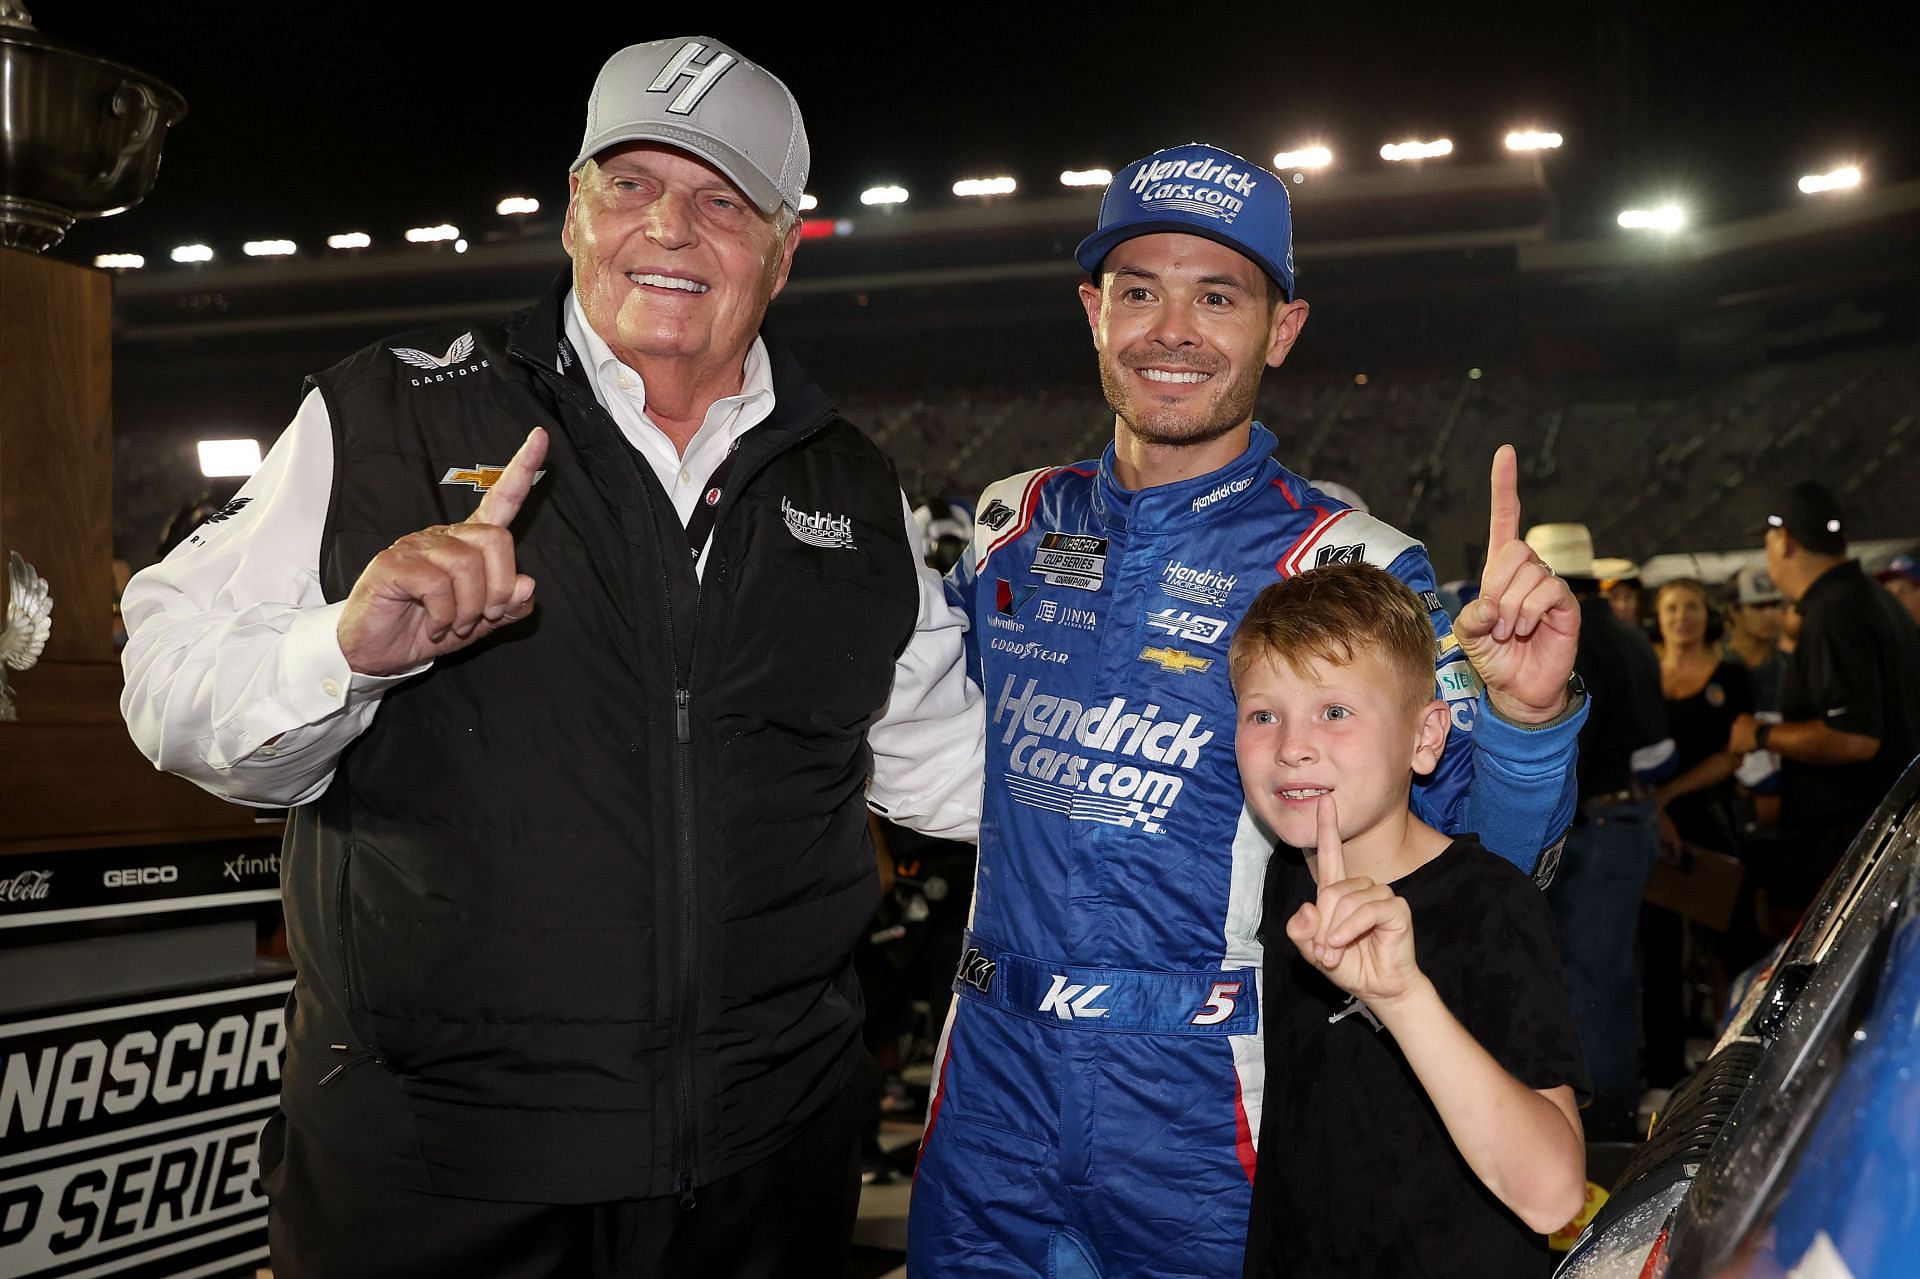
[929, 744]
[234, 675]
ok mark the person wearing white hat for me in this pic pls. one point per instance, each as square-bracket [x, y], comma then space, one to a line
[574, 884]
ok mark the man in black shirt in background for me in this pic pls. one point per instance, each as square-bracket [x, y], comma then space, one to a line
[1615, 839]
[1850, 705]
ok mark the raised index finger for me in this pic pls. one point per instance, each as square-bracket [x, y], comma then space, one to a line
[1330, 864]
[1504, 522]
[503, 500]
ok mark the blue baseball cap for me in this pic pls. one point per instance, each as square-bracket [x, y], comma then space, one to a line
[1198, 190]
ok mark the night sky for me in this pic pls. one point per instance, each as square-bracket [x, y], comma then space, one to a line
[306, 119]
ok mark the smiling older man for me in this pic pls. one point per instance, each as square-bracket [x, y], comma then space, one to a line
[574, 885]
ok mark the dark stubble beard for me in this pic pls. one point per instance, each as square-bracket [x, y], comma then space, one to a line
[1228, 407]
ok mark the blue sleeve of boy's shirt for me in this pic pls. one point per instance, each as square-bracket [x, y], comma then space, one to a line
[1511, 785]
[1522, 798]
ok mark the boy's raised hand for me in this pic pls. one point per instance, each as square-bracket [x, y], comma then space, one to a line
[1357, 932]
[1521, 634]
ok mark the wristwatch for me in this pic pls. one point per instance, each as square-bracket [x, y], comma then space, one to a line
[1760, 734]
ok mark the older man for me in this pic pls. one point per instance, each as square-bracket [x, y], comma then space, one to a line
[1101, 1083]
[573, 885]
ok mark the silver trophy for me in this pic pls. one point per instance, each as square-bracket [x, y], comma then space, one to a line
[80, 135]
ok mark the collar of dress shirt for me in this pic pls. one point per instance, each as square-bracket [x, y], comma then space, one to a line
[605, 368]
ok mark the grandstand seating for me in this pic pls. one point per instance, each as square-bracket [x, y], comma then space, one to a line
[1652, 465]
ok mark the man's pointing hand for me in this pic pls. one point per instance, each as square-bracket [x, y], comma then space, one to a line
[436, 591]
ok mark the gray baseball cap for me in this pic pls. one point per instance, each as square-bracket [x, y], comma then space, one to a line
[696, 93]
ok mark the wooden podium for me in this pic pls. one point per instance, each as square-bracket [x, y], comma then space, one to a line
[70, 777]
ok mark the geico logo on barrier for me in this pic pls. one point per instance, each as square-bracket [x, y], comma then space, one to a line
[133, 877]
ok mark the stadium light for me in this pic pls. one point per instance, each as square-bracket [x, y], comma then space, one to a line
[219, 458]
[1086, 177]
[270, 248]
[432, 234]
[1668, 218]
[1844, 179]
[517, 206]
[1532, 140]
[1417, 150]
[970, 187]
[119, 261]
[808, 204]
[349, 240]
[192, 253]
[884, 195]
[1313, 157]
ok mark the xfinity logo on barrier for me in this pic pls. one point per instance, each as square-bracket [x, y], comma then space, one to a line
[1074, 1003]
[27, 886]
[817, 528]
[134, 877]
[1227, 490]
[238, 866]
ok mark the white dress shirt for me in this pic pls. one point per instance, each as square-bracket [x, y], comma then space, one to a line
[235, 678]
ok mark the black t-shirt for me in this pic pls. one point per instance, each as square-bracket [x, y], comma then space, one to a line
[1356, 1174]
[1700, 725]
[1856, 668]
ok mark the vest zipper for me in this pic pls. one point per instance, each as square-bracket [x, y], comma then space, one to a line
[684, 1026]
[685, 1135]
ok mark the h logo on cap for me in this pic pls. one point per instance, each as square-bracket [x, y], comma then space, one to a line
[703, 76]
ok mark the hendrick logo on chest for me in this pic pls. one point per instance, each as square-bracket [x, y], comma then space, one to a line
[818, 528]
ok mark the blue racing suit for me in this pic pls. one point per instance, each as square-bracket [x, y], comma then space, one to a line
[1099, 1084]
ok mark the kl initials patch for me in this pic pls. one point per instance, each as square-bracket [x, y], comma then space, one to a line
[482, 477]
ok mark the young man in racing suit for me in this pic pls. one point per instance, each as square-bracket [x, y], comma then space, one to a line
[1100, 1080]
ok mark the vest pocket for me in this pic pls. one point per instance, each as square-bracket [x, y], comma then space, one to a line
[350, 986]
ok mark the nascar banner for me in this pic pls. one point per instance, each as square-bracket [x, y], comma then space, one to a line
[129, 1135]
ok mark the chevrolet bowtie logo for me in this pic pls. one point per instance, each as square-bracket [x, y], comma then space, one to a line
[482, 477]
[1175, 660]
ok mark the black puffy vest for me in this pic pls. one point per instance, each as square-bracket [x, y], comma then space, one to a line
[580, 903]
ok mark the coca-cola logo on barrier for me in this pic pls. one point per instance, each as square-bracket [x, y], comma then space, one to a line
[27, 886]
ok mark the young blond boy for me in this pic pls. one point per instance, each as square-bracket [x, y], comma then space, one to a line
[1420, 1108]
